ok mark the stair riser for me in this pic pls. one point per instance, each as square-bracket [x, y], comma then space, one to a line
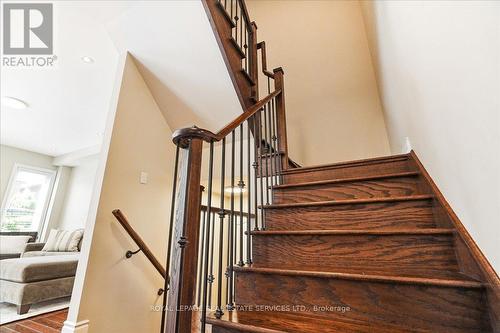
[439, 309]
[353, 190]
[415, 254]
[393, 215]
[362, 170]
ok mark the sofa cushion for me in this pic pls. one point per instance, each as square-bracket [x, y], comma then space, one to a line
[63, 240]
[30, 269]
[13, 244]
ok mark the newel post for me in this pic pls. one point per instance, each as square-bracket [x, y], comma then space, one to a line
[254, 67]
[281, 116]
[184, 256]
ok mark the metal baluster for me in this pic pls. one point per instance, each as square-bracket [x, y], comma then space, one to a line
[211, 277]
[222, 215]
[271, 148]
[261, 171]
[202, 251]
[266, 140]
[236, 18]
[274, 138]
[166, 285]
[249, 194]
[209, 210]
[241, 186]
[255, 166]
[230, 305]
[245, 46]
[241, 26]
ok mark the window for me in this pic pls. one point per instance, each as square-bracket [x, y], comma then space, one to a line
[25, 205]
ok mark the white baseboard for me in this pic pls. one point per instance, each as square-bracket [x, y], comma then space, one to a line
[79, 327]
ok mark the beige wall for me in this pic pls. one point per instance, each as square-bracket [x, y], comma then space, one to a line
[333, 109]
[438, 65]
[118, 293]
[78, 195]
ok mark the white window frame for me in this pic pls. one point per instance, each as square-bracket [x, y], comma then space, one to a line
[15, 169]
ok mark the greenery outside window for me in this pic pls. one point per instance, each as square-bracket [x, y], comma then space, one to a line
[27, 197]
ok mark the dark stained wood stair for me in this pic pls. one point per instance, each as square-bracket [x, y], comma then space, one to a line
[374, 236]
[370, 235]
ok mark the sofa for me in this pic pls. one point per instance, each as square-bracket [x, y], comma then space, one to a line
[28, 280]
[40, 274]
[13, 244]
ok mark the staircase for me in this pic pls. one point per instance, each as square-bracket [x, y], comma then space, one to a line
[361, 246]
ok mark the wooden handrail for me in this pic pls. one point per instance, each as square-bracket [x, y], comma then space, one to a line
[140, 243]
[262, 47]
[179, 137]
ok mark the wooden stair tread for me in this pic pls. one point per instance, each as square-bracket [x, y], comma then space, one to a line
[348, 163]
[349, 201]
[378, 232]
[238, 49]
[346, 180]
[226, 15]
[294, 322]
[456, 280]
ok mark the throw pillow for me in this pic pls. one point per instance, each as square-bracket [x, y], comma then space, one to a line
[13, 244]
[63, 240]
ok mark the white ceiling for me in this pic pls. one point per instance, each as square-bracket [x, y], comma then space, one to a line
[68, 103]
[180, 60]
[177, 54]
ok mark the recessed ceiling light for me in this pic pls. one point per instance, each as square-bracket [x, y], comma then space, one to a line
[87, 59]
[235, 189]
[14, 103]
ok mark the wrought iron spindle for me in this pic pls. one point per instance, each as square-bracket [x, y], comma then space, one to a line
[245, 47]
[222, 215]
[277, 154]
[249, 196]
[242, 18]
[201, 253]
[207, 240]
[236, 18]
[230, 305]
[211, 277]
[255, 167]
[270, 155]
[166, 285]
[261, 171]
[266, 140]
[241, 186]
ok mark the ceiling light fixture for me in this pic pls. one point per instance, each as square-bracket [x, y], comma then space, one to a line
[87, 59]
[14, 103]
[235, 189]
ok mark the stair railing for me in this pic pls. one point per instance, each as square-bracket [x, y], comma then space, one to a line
[245, 160]
[202, 255]
[122, 219]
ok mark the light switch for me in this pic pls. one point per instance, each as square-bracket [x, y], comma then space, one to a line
[144, 177]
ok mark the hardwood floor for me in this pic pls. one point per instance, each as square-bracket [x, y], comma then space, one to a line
[47, 323]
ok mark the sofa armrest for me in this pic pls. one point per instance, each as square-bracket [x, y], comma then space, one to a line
[30, 247]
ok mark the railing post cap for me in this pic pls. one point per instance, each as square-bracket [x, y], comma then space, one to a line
[254, 25]
[182, 136]
[278, 70]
